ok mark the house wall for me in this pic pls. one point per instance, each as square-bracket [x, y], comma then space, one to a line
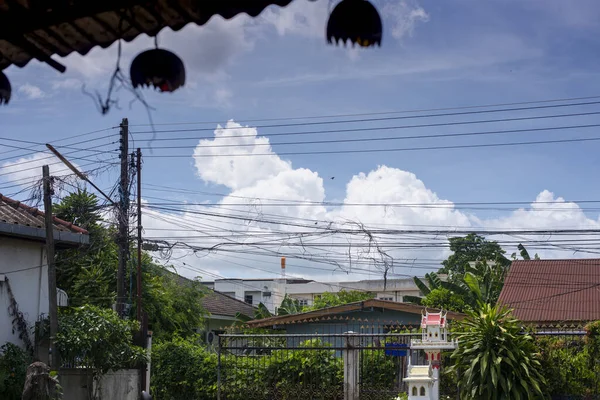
[21, 263]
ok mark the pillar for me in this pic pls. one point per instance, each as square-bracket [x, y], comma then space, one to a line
[351, 356]
[434, 357]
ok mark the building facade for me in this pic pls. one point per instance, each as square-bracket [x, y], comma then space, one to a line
[271, 292]
[24, 270]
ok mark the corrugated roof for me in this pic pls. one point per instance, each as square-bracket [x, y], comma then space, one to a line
[218, 303]
[16, 213]
[551, 291]
[375, 303]
[40, 29]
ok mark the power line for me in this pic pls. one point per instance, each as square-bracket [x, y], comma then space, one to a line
[89, 149]
[384, 112]
[387, 150]
[377, 139]
[371, 129]
[386, 118]
[71, 137]
[329, 203]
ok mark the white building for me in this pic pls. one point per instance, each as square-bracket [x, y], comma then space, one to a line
[271, 292]
[23, 268]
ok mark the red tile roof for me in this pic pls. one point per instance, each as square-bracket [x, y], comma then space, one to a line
[16, 213]
[553, 291]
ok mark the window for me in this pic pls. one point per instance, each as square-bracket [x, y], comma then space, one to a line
[248, 298]
[303, 302]
[414, 391]
[387, 298]
[422, 391]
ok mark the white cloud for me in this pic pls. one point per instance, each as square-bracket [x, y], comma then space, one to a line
[27, 170]
[317, 233]
[32, 92]
[68, 83]
[227, 166]
[404, 16]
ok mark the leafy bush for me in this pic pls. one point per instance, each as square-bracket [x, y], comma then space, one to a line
[13, 367]
[97, 339]
[495, 360]
[320, 371]
[566, 367]
[182, 370]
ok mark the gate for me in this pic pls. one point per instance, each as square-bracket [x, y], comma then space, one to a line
[314, 367]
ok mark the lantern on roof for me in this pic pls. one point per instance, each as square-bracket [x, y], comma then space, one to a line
[159, 68]
[357, 21]
[5, 89]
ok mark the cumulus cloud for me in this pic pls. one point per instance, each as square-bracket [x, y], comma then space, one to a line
[224, 160]
[32, 92]
[275, 208]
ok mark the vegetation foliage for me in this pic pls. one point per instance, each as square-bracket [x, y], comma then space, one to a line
[88, 275]
[98, 339]
[13, 367]
[495, 360]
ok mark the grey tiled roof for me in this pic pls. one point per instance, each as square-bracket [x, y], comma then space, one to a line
[218, 303]
[16, 213]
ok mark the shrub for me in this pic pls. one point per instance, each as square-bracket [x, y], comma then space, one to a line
[98, 339]
[496, 361]
[13, 367]
[182, 369]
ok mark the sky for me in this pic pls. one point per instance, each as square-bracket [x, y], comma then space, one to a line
[238, 187]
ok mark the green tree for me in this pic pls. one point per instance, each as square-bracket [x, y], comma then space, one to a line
[472, 248]
[441, 294]
[88, 274]
[337, 299]
[97, 339]
[445, 299]
[173, 303]
[289, 306]
[495, 359]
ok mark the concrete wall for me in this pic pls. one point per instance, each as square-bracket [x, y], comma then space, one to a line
[21, 263]
[122, 385]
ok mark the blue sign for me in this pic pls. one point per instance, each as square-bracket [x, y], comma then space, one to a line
[396, 349]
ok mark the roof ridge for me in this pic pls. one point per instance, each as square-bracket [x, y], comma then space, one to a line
[36, 211]
[232, 298]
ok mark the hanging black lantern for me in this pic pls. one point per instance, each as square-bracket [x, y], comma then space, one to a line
[357, 21]
[5, 89]
[159, 68]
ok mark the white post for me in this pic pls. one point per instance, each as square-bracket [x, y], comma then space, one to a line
[351, 356]
[149, 350]
[435, 389]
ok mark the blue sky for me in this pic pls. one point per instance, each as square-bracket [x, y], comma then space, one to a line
[434, 55]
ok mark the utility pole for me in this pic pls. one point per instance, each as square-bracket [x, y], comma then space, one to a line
[139, 234]
[52, 303]
[123, 216]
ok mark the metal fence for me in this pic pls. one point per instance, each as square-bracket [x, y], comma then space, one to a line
[336, 366]
[314, 367]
